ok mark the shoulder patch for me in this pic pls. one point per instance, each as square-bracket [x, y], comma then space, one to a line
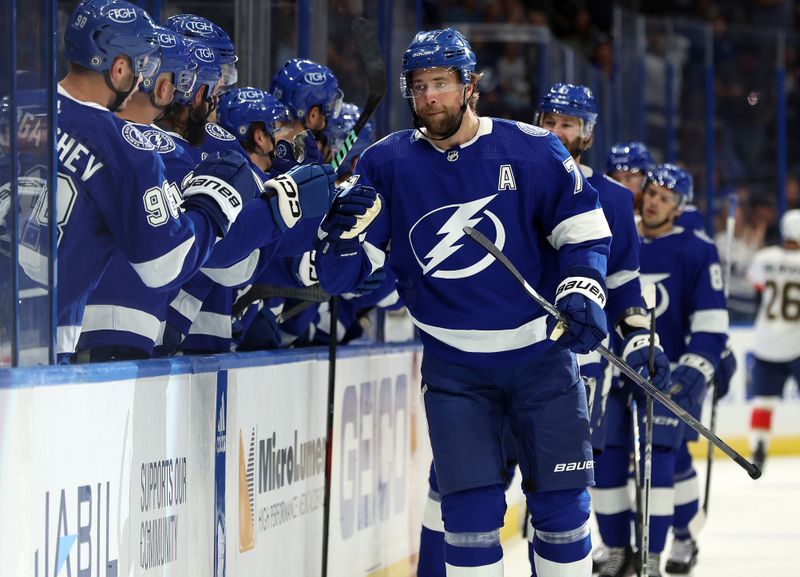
[135, 138]
[216, 131]
[162, 142]
[531, 129]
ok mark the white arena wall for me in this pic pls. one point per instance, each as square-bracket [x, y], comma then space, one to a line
[215, 466]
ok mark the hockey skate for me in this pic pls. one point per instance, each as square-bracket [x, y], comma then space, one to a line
[682, 556]
[654, 565]
[619, 562]
[760, 455]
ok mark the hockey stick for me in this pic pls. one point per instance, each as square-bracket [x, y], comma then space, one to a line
[649, 296]
[730, 223]
[370, 52]
[624, 367]
[257, 292]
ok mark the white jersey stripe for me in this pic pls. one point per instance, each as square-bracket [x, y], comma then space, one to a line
[710, 321]
[163, 270]
[211, 324]
[591, 225]
[619, 278]
[186, 305]
[119, 318]
[236, 274]
[488, 341]
[67, 339]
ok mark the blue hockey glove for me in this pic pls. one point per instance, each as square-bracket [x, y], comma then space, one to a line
[724, 373]
[636, 352]
[369, 284]
[353, 209]
[303, 192]
[690, 379]
[302, 149]
[580, 297]
[217, 187]
[170, 342]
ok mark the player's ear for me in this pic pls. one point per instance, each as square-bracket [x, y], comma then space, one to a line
[120, 69]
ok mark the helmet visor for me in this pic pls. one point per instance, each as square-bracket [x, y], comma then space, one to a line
[438, 81]
[147, 65]
[184, 80]
[229, 74]
[334, 106]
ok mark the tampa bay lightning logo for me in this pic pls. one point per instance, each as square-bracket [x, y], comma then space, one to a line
[135, 138]
[663, 294]
[216, 131]
[532, 130]
[437, 239]
[284, 150]
[163, 143]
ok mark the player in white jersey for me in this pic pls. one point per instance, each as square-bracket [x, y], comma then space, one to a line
[775, 272]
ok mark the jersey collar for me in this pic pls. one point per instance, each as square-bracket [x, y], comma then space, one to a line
[484, 128]
[62, 92]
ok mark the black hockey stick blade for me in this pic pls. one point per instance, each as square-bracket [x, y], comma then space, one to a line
[370, 51]
[612, 358]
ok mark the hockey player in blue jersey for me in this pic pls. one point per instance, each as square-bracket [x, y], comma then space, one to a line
[335, 132]
[487, 351]
[111, 46]
[311, 93]
[692, 323]
[628, 163]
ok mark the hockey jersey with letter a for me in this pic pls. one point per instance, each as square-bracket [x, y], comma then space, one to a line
[513, 182]
[112, 193]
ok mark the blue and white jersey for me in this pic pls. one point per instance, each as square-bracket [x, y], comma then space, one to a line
[513, 182]
[691, 218]
[113, 192]
[122, 311]
[219, 140]
[690, 303]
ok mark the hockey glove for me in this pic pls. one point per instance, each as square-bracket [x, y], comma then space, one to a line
[302, 149]
[580, 297]
[636, 352]
[303, 192]
[724, 373]
[690, 379]
[217, 187]
[353, 209]
[369, 284]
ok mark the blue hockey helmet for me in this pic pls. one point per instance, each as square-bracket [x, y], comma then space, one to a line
[336, 131]
[176, 59]
[445, 48]
[208, 73]
[629, 157]
[204, 30]
[241, 107]
[570, 100]
[302, 84]
[101, 30]
[674, 178]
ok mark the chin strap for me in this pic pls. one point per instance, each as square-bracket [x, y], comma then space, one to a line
[120, 95]
[419, 126]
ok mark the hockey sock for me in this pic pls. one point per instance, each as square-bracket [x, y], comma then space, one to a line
[560, 543]
[760, 425]
[431, 542]
[662, 497]
[472, 521]
[610, 496]
[688, 520]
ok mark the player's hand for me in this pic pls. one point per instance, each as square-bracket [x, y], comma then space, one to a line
[636, 352]
[690, 379]
[369, 284]
[353, 209]
[303, 192]
[724, 373]
[302, 149]
[217, 187]
[580, 297]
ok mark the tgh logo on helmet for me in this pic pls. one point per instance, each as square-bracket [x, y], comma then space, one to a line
[199, 27]
[122, 15]
[315, 78]
[249, 96]
[166, 40]
[205, 54]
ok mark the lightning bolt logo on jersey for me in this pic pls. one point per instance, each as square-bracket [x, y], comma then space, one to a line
[472, 259]
[508, 184]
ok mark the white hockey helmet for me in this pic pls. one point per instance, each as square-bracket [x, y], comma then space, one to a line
[790, 225]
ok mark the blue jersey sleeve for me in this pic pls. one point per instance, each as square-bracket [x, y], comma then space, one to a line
[709, 315]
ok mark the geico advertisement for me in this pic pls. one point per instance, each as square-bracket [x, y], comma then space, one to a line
[276, 469]
[371, 522]
[161, 477]
[81, 447]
